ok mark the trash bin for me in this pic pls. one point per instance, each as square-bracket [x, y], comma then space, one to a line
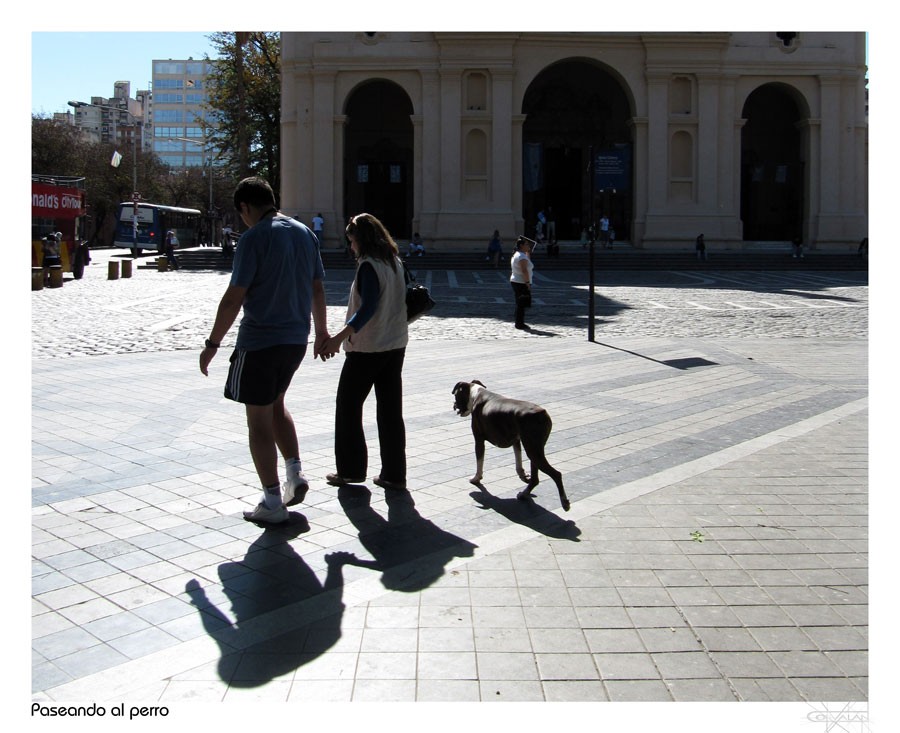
[113, 271]
[126, 268]
[37, 278]
[162, 264]
[56, 276]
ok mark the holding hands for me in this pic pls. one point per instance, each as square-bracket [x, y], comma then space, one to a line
[330, 346]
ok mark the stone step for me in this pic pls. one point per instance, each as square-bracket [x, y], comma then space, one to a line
[210, 258]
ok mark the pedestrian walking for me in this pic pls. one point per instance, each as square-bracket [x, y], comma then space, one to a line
[374, 340]
[318, 226]
[277, 282]
[50, 255]
[604, 231]
[495, 249]
[171, 242]
[700, 247]
[521, 273]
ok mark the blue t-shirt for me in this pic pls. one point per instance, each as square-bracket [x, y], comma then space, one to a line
[277, 260]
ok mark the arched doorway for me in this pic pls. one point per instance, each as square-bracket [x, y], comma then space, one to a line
[772, 165]
[572, 107]
[378, 161]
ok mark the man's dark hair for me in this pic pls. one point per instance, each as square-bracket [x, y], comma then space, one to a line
[254, 191]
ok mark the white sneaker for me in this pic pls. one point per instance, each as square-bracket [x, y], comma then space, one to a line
[295, 489]
[270, 516]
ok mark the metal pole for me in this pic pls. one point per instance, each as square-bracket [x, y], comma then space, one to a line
[591, 258]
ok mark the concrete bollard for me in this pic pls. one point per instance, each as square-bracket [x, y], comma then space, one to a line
[126, 268]
[113, 272]
[37, 278]
[56, 276]
[162, 264]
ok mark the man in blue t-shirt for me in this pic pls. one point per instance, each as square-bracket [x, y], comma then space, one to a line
[277, 280]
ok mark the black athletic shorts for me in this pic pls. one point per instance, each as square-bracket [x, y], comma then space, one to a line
[258, 377]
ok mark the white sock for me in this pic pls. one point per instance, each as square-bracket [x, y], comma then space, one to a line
[292, 467]
[272, 496]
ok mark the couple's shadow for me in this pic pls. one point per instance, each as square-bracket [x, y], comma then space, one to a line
[264, 591]
[273, 585]
[409, 551]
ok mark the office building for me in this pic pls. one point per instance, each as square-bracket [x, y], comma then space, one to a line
[178, 118]
[119, 120]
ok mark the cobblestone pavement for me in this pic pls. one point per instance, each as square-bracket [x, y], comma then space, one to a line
[170, 311]
[713, 442]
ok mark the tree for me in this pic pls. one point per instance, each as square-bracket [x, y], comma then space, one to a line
[245, 101]
[60, 149]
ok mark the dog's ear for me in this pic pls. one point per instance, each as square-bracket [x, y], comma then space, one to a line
[475, 381]
[459, 386]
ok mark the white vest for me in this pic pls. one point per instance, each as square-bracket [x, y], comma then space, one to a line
[387, 329]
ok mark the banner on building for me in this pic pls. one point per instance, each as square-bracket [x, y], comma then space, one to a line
[612, 168]
[533, 175]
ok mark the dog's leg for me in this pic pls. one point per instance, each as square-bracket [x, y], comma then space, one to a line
[520, 468]
[532, 481]
[539, 462]
[557, 479]
[479, 462]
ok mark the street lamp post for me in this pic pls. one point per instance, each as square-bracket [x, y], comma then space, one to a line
[134, 189]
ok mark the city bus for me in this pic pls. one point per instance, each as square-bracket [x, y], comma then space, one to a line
[148, 229]
[58, 205]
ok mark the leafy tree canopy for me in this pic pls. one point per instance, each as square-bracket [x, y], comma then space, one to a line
[245, 102]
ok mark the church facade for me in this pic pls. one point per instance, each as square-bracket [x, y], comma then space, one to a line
[744, 137]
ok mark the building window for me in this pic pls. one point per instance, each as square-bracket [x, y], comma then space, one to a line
[476, 153]
[475, 169]
[681, 167]
[167, 84]
[168, 67]
[476, 91]
[168, 131]
[169, 115]
[681, 96]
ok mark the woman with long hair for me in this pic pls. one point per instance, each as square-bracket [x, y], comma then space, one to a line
[374, 340]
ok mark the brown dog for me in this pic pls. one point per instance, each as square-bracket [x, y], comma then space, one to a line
[506, 422]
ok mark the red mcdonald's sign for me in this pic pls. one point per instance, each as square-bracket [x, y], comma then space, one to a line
[56, 202]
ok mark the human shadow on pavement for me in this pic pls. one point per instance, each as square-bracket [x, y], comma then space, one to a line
[271, 579]
[539, 332]
[409, 551]
[529, 514]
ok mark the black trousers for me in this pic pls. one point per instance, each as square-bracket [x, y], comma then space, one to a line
[360, 373]
[520, 290]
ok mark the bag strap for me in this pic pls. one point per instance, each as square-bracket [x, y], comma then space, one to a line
[407, 275]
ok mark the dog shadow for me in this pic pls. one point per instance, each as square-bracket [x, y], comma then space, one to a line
[409, 551]
[529, 514]
[271, 576]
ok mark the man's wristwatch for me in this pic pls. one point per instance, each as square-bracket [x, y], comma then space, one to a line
[211, 345]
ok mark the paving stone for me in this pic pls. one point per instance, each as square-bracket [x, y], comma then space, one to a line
[714, 550]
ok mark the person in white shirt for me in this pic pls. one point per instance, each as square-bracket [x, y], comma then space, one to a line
[318, 225]
[520, 278]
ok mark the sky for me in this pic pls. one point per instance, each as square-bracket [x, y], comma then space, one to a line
[77, 66]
